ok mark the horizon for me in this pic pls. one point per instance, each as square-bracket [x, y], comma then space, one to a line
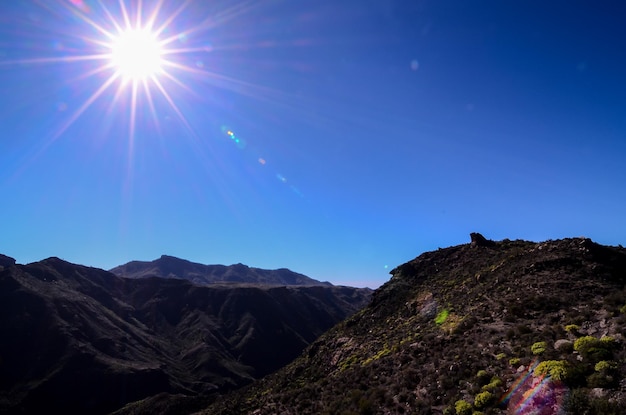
[338, 283]
[338, 140]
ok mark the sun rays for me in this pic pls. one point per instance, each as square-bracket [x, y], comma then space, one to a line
[140, 73]
[137, 55]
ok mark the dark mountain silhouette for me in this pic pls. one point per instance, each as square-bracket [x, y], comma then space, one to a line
[172, 267]
[509, 327]
[82, 340]
[6, 261]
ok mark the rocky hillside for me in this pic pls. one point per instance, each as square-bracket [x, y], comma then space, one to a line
[510, 327]
[82, 340]
[171, 267]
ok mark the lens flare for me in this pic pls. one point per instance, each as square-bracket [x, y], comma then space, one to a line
[535, 395]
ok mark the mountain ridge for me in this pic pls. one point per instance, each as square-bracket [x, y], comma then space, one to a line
[103, 341]
[168, 266]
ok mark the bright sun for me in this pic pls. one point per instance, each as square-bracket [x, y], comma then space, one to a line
[136, 54]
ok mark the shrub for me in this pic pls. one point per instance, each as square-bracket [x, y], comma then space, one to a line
[572, 328]
[482, 377]
[595, 349]
[605, 366]
[600, 380]
[500, 356]
[483, 399]
[514, 361]
[462, 407]
[607, 341]
[442, 316]
[538, 348]
[577, 402]
[583, 344]
[556, 369]
[495, 382]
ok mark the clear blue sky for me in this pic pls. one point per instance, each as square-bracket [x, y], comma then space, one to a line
[362, 132]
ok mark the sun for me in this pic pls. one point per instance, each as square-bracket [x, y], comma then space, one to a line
[137, 54]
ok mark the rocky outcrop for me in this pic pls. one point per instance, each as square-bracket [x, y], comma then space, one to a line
[479, 240]
[6, 261]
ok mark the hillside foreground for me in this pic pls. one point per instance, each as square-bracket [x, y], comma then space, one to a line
[509, 327]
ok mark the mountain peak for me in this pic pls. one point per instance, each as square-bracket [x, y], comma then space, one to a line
[172, 267]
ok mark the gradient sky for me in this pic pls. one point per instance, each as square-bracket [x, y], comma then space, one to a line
[362, 132]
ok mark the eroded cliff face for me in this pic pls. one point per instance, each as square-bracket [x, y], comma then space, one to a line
[511, 327]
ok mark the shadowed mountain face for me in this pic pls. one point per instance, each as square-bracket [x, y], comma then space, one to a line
[510, 327]
[172, 267]
[6, 261]
[82, 340]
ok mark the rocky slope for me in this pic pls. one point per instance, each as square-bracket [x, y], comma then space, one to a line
[82, 340]
[510, 327]
[172, 267]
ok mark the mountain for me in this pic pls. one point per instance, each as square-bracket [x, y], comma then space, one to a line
[6, 261]
[509, 327]
[77, 339]
[172, 267]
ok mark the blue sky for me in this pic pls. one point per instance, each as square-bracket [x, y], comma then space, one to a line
[335, 138]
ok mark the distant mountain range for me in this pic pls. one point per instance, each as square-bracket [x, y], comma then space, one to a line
[172, 267]
[78, 340]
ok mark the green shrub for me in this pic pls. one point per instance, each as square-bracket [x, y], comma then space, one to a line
[583, 344]
[442, 316]
[556, 369]
[605, 366]
[495, 382]
[595, 349]
[462, 407]
[572, 328]
[514, 361]
[500, 356]
[483, 399]
[608, 341]
[538, 348]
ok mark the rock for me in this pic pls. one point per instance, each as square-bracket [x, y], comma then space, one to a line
[597, 393]
[479, 240]
[563, 345]
[6, 261]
